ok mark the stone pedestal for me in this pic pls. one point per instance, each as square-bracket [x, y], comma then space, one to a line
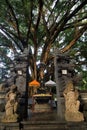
[10, 126]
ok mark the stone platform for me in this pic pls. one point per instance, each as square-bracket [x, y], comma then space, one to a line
[53, 125]
[50, 121]
[44, 121]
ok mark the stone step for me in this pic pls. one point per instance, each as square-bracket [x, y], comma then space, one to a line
[44, 125]
[53, 125]
[77, 125]
[46, 128]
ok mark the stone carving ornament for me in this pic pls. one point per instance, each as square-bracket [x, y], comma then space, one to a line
[11, 106]
[72, 103]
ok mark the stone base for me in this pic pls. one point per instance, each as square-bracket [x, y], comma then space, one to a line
[74, 116]
[9, 126]
[10, 118]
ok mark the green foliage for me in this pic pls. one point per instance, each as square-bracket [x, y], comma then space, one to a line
[40, 24]
[83, 85]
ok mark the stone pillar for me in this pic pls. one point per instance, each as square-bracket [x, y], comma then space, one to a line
[63, 71]
[21, 80]
[20, 76]
[2, 100]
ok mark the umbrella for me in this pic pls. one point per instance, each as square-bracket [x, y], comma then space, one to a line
[34, 83]
[50, 83]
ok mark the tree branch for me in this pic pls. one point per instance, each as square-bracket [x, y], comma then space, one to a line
[14, 16]
[60, 25]
[7, 34]
[79, 33]
[64, 20]
[29, 24]
[39, 14]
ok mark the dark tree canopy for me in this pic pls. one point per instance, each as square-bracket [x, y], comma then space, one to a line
[43, 25]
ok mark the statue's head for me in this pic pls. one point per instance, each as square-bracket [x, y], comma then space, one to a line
[2, 87]
[70, 86]
[13, 88]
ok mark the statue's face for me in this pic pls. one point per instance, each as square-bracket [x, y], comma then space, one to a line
[12, 101]
[14, 90]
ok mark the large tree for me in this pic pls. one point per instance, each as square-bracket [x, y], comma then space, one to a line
[42, 25]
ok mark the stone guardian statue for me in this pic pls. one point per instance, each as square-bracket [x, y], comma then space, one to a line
[11, 106]
[72, 103]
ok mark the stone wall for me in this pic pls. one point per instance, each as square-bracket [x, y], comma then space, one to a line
[83, 97]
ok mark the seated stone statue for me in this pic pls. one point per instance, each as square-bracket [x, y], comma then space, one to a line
[72, 103]
[11, 106]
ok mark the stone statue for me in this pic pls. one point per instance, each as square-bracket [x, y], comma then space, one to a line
[11, 106]
[72, 103]
[2, 88]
